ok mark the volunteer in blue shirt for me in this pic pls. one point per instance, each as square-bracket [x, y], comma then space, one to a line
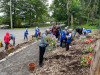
[69, 39]
[66, 30]
[26, 34]
[12, 37]
[37, 32]
[63, 37]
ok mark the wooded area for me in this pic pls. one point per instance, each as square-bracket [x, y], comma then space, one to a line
[77, 12]
[72, 12]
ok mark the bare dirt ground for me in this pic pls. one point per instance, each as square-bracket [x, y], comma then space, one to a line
[62, 62]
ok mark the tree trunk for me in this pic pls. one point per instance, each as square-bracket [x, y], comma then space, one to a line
[80, 20]
[72, 19]
[68, 12]
[68, 19]
[14, 22]
[88, 5]
[95, 12]
[30, 15]
[30, 19]
[88, 18]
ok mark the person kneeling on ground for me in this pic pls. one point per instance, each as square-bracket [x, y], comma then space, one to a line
[69, 39]
[79, 31]
[12, 37]
[86, 31]
[42, 46]
[6, 40]
[26, 34]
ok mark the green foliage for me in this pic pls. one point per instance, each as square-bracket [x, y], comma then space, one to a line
[88, 50]
[59, 8]
[51, 41]
[11, 47]
[24, 11]
[75, 7]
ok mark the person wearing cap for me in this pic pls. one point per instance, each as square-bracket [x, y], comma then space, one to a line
[37, 32]
[69, 39]
[12, 37]
[53, 29]
[26, 34]
[66, 29]
[79, 31]
[42, 46]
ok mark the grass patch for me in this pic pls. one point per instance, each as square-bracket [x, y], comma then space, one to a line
[86, 26]
[40, 26]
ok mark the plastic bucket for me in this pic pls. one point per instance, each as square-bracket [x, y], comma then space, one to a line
[31, 66]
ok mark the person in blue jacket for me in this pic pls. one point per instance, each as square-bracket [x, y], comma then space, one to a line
[60, 29]
[26, 34]
[69, 39]
[86, 31]
[66, 29]
[12, 37]
[37, 32]
[62, 38]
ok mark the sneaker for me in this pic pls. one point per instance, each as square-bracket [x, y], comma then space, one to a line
[70, 46]
[41, 65]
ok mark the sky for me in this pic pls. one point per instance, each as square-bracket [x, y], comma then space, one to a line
[50, 2]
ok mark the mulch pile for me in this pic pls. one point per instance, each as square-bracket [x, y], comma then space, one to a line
[61, 62]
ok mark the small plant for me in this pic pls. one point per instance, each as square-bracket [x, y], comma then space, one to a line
[11, 47]
[86, 60]
[34, 38]
[83, 38]
[88, 41]
[88, 50]
[51, 41]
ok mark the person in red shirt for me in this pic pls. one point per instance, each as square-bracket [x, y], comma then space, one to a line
[53, 29]
[6, 40]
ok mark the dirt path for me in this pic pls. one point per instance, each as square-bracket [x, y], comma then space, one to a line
[18, 63]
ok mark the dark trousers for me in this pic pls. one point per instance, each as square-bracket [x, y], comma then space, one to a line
[62, 42]
[67, 46]
[13, 42]
[6, 45]
[41, 54]
[25, 37]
